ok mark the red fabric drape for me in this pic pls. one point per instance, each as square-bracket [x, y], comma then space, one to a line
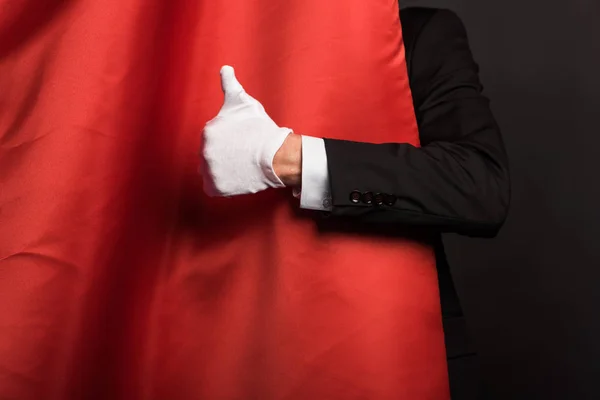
[120, 280]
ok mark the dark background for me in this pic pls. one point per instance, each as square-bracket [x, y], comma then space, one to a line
[532, 296]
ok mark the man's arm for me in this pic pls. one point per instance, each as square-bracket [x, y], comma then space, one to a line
[459, 180]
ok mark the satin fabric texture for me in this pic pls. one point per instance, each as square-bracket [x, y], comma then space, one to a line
[119, 279]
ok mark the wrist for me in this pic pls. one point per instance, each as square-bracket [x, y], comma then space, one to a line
[287, 163]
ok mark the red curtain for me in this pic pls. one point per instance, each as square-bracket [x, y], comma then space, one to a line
[120, 280]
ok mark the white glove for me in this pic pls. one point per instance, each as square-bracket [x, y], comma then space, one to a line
[239, 144]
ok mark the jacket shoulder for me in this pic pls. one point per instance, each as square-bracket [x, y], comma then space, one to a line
[415, 19]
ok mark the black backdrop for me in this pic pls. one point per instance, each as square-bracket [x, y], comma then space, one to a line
[532, 296]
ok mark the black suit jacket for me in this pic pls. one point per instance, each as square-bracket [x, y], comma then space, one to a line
[458, 181]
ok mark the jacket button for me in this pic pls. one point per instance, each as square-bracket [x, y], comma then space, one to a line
[389, 199]
[367, 197]
[378, 199]
[355, 196]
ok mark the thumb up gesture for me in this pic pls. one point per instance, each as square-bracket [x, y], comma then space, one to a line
[239, 144]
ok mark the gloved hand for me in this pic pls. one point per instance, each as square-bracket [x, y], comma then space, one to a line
[239, 144]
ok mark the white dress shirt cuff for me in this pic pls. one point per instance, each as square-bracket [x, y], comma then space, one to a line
[315, 193]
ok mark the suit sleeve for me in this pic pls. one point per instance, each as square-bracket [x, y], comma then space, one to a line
[458, 181]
